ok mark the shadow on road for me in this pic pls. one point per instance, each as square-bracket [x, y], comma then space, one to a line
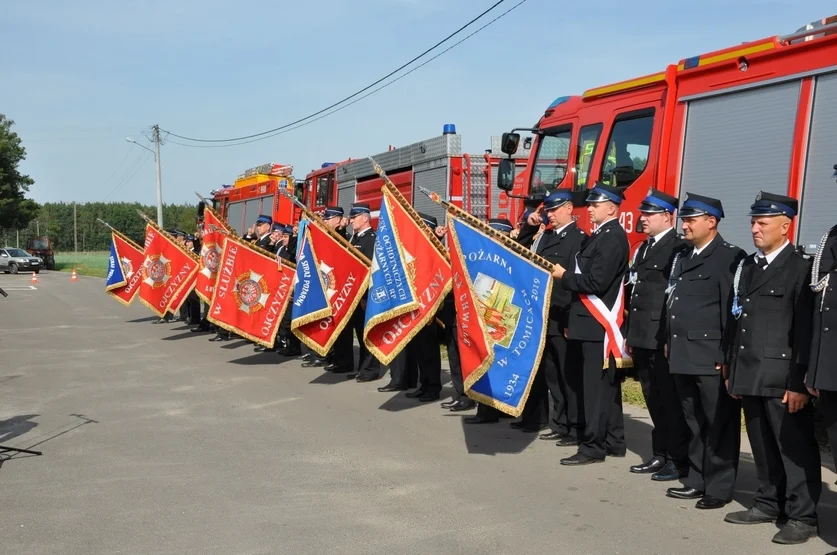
[141, 320]
[16, 426]
[185, 335]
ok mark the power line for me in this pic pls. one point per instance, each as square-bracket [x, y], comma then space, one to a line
[353, 95]
[129, 173]
[283, 130]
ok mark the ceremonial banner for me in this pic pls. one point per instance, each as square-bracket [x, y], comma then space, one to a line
[310, 301]
[167, 269]
[404, 295]
[124, 268]
[345, 276]
[502, 302]
[252, 292]
[212, 243]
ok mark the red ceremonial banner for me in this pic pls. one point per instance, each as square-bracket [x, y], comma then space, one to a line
[180, 298]
[212, 244]
[166, 270]
[475, 351]
[346, 276]
[130, 257]
[431, 281]
[252, 292]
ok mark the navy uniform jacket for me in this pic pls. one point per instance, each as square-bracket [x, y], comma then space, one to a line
[264, 243]
[558, 248]
[646, 299]
[365, 243]
[822, 371]
[603, 260]
[768, 345]
[699, 308]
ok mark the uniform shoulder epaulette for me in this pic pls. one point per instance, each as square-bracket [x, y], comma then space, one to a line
[802, 254]
[729, 245]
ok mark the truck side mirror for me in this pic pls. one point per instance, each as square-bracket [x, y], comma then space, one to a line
[201, 208]
[505, 175]
[509, 143]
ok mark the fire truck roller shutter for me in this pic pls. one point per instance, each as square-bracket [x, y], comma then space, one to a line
[346, 193]
[818, 189]
[475, 201]
[432, 176]
[235, 216]
[736, 145]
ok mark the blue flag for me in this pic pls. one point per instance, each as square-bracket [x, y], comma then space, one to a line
[115, 277]
[300, 232]
[502, 301]
[311, 297]
[391, 289]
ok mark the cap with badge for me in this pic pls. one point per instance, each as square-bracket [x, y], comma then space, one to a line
[658, 202]
[190, 237]
[605, 193]
[768, 204]
[264, 219]
[429, 220]
[500, 224]
[556, 199]
[333, 212]
[276, 228]
[288, 229]
[699, 205]
[359, 208]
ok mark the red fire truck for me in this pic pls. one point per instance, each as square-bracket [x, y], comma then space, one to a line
[757, 116]
[255, 192]
[437, 164]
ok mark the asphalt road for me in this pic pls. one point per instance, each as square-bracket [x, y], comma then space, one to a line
[156, 441]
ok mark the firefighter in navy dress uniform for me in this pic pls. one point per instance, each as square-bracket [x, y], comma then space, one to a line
[698, 307]
[600, 267]
[289, 345]
[645, 338]
[768, 343]
[554, 384]
[822, 369]
[368, 368]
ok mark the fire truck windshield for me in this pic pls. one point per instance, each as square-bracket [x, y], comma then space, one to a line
[550, 167]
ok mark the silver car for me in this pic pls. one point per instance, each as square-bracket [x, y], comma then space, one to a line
[14, 260]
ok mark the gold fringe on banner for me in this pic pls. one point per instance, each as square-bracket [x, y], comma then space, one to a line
[167, 235]
[323, 312]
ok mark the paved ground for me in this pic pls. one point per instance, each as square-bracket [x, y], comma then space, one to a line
[157, 442]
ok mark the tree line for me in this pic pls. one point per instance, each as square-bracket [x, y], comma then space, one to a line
[56, 220]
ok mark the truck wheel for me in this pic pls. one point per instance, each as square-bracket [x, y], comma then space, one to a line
[13, 268]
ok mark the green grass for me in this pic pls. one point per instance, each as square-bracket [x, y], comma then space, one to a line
[85, 263]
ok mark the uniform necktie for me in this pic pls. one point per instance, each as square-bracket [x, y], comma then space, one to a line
[762, 262]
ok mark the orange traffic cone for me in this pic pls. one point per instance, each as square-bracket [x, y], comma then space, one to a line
[34, 277]
[75, 276]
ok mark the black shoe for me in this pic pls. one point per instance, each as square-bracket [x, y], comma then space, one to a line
[536, 429]
[795, 532]
[479, 420]
[517, 425]
[618, 454]
[684, 493]
[579, 459]
[449, 404]
[568, 441]
[653, 465]
[314, 363]
[219, 338]
[259, 349]
[389, 388]
[552, 436]
[751, 516]
[199, 329]
[414, 394]
[161, 321]
[306, 357]
[369, 378]
[429, 397]
[462, 404]
[670, 472]
[709, 502]
[331, 367]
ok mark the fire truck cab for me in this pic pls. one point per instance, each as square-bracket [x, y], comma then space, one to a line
[757, 116]
[254, 192]
[436, 164]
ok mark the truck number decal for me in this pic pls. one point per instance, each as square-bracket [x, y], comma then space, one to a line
[626, 220]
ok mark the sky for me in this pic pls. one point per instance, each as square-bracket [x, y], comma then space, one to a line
[80, 77]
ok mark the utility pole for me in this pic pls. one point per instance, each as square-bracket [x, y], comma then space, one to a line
[37, 228]
[75, 226]
[159, 176]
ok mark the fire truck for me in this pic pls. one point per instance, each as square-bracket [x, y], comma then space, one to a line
[254, 192]
[436, 164]
[760, 115]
